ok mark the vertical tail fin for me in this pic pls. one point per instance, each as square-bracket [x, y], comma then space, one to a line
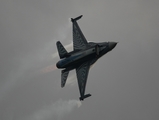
[64, 75]
[61, 50]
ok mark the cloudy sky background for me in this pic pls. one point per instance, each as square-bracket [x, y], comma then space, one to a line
[124, 83]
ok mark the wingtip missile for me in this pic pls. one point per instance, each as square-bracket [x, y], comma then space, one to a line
[84, 97]
[77, 18]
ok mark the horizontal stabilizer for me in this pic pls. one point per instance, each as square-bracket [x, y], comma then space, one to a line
[77, 18]
[64, 75]
[61, 50]
[85, 96]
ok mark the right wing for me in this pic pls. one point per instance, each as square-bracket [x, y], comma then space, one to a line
[79, 41]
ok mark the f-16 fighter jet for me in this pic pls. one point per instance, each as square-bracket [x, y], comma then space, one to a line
[84, 55]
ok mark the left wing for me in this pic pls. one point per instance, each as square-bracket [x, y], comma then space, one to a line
[82, 74]
[79, 41]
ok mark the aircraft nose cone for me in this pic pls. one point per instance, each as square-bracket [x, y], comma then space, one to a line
[112, 45]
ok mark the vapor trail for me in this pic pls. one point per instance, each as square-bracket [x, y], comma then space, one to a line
[55, 111]
[68, 47]
[71, 80]
[30, 61]
[53, 67]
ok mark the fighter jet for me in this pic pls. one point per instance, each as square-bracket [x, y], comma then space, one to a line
[84, 55]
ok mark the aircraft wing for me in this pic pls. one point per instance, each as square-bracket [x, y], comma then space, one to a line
[79, 41]
[82, 74]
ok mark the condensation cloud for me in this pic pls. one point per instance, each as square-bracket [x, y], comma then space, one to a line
[55, 111]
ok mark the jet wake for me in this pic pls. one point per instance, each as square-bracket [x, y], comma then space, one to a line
[55, 111]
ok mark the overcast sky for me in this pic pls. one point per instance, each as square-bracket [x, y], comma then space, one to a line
[124, 83]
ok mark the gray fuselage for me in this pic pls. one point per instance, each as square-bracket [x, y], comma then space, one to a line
[96, 50]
